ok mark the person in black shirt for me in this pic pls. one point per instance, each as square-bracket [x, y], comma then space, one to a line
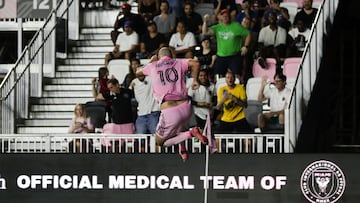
[121, 104]
[307, 14]
[152, 41]
[192, 19]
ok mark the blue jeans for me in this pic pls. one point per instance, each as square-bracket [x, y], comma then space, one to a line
[147, 123]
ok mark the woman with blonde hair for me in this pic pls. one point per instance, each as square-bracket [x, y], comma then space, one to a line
[81, 123]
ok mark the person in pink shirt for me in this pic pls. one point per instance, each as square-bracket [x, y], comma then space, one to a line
[169, 88]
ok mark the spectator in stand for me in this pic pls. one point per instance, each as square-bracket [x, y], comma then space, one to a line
[279, 99]
[272, 42]
[134, 64]
[121, 102]
[126, 44]
[137, 20]
[192, 19]
[165, 21]
[206, 56]
[148, 108]
[260, 6]
[183, 42]
[148, 8]
[232, 100]
[284, 19]
[123, 115]
[176, 7]
[152, 41]
[81, 123]
[248, 58]
[230, 47]
[282, 15]
[169, 88]
[247, 12]
[230, 5]
[100, 85]
[202, 98]
[307, 14]
[274, 7]
[300, 36]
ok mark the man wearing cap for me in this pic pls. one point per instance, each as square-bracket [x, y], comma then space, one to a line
[126, 44]
[137, 21]
[152, 41]
[230, 47]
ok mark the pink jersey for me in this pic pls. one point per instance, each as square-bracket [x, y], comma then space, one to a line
[168, 78]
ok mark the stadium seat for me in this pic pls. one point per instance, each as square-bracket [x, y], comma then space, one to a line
[119, 68]
[97, 112]
[291, 67]
[269, 71]
[252, 88]
[252, 91]
[298, 2]
[252, 111]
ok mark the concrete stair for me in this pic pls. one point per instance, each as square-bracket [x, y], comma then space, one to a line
[52, 113]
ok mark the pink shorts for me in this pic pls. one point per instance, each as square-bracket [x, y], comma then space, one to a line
[173, 120]
[112, 128]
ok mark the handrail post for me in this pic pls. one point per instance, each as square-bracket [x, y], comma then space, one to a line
[41, 63]
[286, 131]
[47, 143]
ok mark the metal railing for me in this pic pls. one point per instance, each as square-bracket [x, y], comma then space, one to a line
[134, 143]
[306, 77]
[24, 80]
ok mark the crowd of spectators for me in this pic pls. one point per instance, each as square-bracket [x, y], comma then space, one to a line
[225, 42]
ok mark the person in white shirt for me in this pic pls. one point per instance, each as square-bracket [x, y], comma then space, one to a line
[279, 99]
[148, 108]
[183, 42]
[126, 44]
[300, 35]
[202, 98]
[272, 41]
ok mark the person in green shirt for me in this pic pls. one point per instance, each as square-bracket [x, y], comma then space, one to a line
[230, 48]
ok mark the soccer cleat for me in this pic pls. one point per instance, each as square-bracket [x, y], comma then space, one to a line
[184, 155]
[195, 132]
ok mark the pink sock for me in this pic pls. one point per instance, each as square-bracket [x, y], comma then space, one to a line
[177, 139]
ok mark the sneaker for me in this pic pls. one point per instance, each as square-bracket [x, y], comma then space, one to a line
[261, 62]
[184, 155]
[195, 132]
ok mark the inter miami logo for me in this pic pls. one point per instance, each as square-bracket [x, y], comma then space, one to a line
[322, 181]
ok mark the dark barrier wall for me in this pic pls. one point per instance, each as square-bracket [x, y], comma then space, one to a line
[163, 178]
